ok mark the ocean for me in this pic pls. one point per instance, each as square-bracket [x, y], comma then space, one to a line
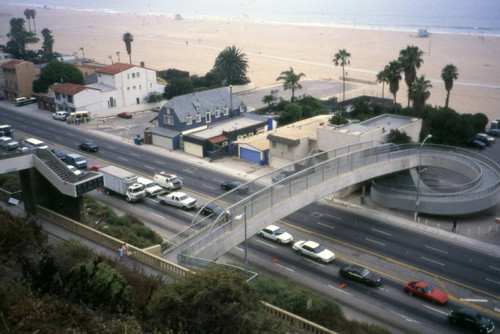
[480, 17]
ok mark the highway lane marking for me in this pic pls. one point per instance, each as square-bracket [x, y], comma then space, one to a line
[385, 290]
[405, 317]
[282, 266]
[436, 249]
[380, 231]
[207, 186]
[124, 159]
[134, 154]
[188, 171]
[159, 162]
[312, 261]
[70, 134]
[472, 300]
[490, 280]
[333, 217]
[374, 241]
[340, 290]
[433, 261]
[434, 309]
[111, 147]
[267, 244]
[188, 213]
[149, 167]
[157, 215]
[495, 268]
[332, 227]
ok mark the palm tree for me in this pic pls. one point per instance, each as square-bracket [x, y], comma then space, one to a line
[394, 76]
[128, 38]
[411, 60]
[231, 66]
[48, 44]
[419, 93]
[448, 74]
[27, 13]
[341, 58]
[291, 81]
[33, 15]
[382, 78]
[270, 98]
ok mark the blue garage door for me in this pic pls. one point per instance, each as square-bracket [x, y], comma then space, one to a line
[250, 155]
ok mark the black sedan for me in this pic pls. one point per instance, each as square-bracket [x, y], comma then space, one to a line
[242, 189]
[360, 274]
[89, 147]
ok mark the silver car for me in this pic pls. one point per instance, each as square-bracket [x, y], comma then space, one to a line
[276, 233]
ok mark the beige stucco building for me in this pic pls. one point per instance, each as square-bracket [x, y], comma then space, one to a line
[18, 76]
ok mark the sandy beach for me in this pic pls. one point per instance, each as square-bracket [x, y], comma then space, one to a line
[162, 42]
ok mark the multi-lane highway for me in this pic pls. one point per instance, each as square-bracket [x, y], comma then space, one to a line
[468, 276]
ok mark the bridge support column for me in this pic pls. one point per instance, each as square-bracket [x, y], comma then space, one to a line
[38, 191]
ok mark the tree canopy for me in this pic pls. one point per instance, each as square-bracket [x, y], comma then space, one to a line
[128, 38]
[231, 66]
[57, 72]
[19, 38]
[410, 60]
[342, 58]
[290, 80]
[449, 74]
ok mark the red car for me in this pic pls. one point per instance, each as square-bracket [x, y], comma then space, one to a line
[125, 114]
[95, 168]
[425, 291]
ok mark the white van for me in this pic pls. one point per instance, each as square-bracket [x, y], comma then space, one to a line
[33, 143]
[82, 116]
[151, 188]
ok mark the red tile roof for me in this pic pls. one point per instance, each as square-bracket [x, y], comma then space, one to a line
[70, 88]
[115, 68]
[11, 64]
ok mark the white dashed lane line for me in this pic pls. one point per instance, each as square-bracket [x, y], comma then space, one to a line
[436, 249]
[433, 261]
[375, 242]
[380, 231]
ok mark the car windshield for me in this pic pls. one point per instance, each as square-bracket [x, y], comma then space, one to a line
[279, 231]
[319, 249]
[151, 185]
[183, 197]
[365, 272]
[428, 289]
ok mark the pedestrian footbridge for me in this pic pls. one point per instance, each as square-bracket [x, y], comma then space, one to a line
[325, 173]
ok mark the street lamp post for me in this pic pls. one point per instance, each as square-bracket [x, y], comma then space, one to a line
[244, 216]
[418, 178]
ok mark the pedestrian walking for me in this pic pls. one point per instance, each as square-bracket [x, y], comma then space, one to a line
[125, 250]
[454, 229]
[120, 253]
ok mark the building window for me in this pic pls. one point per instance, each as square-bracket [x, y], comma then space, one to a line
[274, 144]
[208, 117]
[217, 113]
[133, 75]
[128, 88]
[167, 110]
[189, 120]
[70, 98]
[140, 87]
[134, 87]
[198, 118]
[226, 111]
[169, 120]
[242, 108]
[58, 96]
[289, 148]
[137, 74]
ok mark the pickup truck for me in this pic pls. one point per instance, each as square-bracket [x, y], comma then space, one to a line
[21, 101]
[178, 199]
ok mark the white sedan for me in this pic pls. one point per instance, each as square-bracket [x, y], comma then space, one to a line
[276, 233]
[314, 250]
[60, 115]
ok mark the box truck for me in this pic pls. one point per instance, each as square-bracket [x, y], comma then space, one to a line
[122, 182]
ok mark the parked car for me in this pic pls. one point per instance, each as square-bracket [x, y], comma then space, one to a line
[59, 153]
[314, 250]
[60, 115]
[8, 143]
[282, 175]
[242, 189]
[487, 140]
[485, 137]
[125, 114]
[426, 292]
[95, 168]
[360, 274]
[477, 144]
[75, 170]
[89, 147]
[471, 318]
[276, 233]
[493, 133]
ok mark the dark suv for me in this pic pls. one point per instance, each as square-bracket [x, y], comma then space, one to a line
[471, 318]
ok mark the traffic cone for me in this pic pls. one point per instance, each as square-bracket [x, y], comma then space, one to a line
[275, 260]
[342, 286]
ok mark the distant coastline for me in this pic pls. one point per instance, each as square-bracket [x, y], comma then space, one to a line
[319, 20]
